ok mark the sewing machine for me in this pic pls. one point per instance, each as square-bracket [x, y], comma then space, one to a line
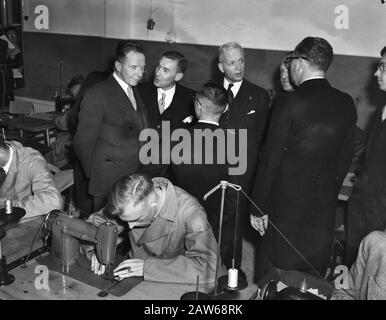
[67, 232]
[67, 235]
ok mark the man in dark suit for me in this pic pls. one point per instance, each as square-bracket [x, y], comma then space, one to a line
[111, 118]
[165, 99]
[197, 179]
[367, 203]
[82, 199]
[306, 156]
[248, 109]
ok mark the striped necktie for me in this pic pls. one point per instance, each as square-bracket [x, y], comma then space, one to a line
[130, 94]
[161, 103]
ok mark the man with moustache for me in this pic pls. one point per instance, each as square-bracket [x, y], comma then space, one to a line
[247, 109]
[367, 203]
[111, 118]
[165, 99]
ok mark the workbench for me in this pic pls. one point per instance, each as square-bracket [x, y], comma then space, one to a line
[16, 244]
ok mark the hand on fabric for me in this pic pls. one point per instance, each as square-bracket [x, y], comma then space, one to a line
[260, 224]
[129, 268]
[98, 268]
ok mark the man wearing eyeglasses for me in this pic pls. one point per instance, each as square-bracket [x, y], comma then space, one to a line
[367, 203]
[111, 118]
[307, 154]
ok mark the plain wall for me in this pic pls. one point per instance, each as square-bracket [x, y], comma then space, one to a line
[83, 54]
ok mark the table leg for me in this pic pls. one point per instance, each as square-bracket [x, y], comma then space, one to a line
[47, 137]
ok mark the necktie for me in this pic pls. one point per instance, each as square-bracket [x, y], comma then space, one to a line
[230, 94]
[161, 103]
[130, 94]
[2, 176]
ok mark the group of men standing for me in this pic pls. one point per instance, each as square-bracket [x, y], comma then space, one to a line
[297, 158]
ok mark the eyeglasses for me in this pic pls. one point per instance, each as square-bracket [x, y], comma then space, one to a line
[381, 67]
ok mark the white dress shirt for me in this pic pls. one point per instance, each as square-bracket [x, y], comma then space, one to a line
[125, 87]
[169, 94]
[236, 86]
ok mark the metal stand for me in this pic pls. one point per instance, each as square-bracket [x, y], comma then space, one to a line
[216, 294]
[5, 278]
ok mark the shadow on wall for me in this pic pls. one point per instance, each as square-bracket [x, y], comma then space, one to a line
[82, 54]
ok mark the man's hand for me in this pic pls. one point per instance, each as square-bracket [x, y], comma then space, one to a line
[98, 268]
[129, 268]
[260, 224]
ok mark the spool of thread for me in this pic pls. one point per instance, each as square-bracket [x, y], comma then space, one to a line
[233, 275]
[8, 206]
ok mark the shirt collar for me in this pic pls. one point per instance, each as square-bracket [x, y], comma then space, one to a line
[236, 86]
[6, 167]
[170, 91]
[122, 83]
[209, 121]
[312, 78]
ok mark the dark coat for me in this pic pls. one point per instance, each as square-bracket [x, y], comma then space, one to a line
[106, 141]
[367, 203]
[198, 179]
[180, 108]
[304, 161]
[249, 110]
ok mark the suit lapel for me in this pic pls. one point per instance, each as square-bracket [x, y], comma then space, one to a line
[127, 106]
[377, 124]
[141, 110]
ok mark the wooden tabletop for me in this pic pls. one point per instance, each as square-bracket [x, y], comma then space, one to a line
[29, 124]
[17, 242]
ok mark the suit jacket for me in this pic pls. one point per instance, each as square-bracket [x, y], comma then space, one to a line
[106, 141]
[29, 183]
[249, 110]
[180, 108]
[92, 79]
[375, 152]
[198, 179]
[308, 152]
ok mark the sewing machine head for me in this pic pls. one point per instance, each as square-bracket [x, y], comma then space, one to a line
[68, 233]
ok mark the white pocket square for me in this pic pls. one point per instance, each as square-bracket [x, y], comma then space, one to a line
[252, 111]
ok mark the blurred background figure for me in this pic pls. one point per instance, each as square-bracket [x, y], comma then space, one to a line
[62, 153]
[284, 74]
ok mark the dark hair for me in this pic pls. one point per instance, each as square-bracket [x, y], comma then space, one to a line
[383, 51]
[132, 188]
[317, 50]
[125, 46]
[182, 63]
[215, 93]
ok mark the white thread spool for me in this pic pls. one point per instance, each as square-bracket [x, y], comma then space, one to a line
[8, 206]
[233, 275]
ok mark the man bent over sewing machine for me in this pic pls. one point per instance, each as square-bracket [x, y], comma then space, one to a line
[170, 237]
